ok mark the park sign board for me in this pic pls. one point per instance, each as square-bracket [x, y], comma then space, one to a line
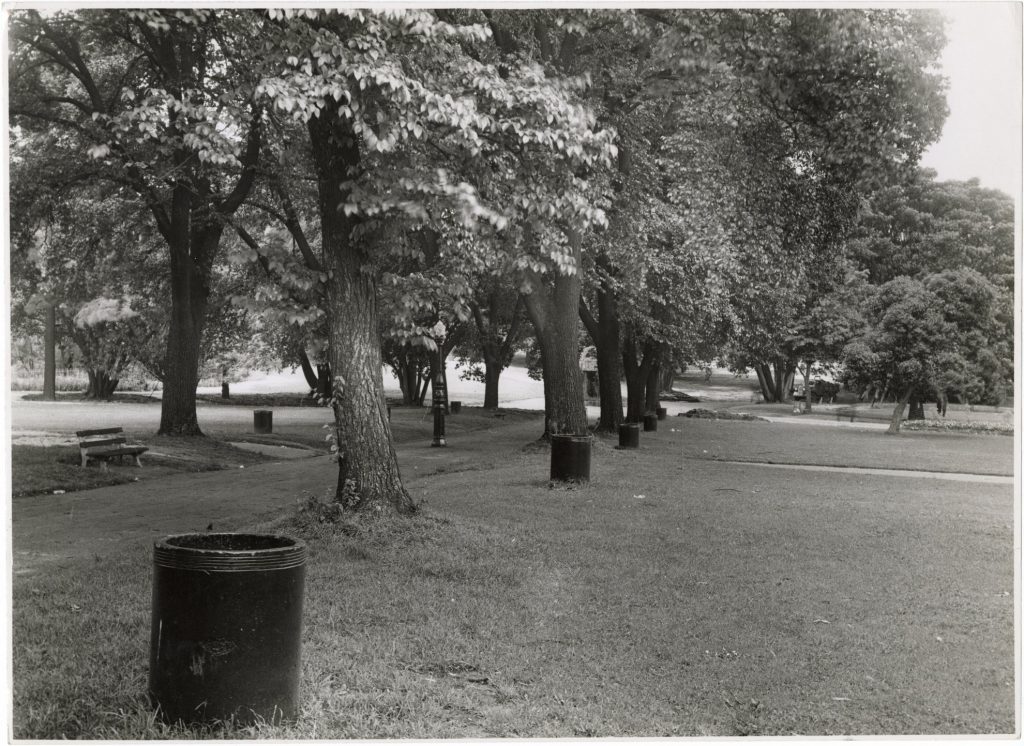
[440, 395]
[588, 359]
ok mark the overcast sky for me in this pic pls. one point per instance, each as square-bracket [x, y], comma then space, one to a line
[982, 135]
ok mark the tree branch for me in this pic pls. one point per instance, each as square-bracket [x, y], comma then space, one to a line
[234, 200]
[589, 321]
[513, 329]
[293, 224]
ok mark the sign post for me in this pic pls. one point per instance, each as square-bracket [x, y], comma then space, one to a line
[440, 390]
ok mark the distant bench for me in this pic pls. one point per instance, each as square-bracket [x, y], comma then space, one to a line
[107, 443]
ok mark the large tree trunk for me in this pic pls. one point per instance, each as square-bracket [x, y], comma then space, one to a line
[422, 395]
[782, 388]
[193, 227]
[188, 316]
[101, 385]
[319, 380]
[668, 378]
[916, 408]
[492, 374]
[637, 375]
[609, 373]
[409, 381]
[636, 399]
[324, 380]
[368, 475]
[776, 379]
[652, 400]
[411, 370]
[806, 371]
[897, 414]
[764, 381]
[307, 370]
[605, 332]
[553, 311]
[50, 354]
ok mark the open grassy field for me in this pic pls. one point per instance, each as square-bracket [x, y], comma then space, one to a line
[676, 595]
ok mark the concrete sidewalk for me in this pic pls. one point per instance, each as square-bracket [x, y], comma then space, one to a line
[53, 528]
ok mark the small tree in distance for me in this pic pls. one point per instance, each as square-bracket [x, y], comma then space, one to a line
[907, 344]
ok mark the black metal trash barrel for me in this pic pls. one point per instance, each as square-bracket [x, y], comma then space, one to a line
[226, 627]
[263, 421]
[570, 458]
[662, 412]
[650, 422]
[629, 435]
[455, 407]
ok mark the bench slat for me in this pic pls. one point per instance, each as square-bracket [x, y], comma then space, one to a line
[101, 443]
[103, 452]
[101, 431]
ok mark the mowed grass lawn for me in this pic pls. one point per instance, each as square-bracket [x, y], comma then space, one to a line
[673, 596]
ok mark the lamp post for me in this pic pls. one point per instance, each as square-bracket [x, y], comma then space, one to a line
[440, 393]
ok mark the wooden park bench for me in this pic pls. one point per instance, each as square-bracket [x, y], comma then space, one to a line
[107, 443]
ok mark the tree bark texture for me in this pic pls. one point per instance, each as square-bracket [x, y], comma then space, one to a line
[637, 363]
[776, 379]
[897, 414]
[319, 380]
[50, 354]
[651, 399]
[553, 309]
[368, 476]
[605, 333]
[189, 295]
[763, 383]
[916, 408]
[192, 224]
[307, 370]
[668, 378]
[806, 371]
[101, 385]
[492, 375]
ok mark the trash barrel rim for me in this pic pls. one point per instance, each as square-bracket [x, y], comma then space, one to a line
[272, 552]
[571, 436]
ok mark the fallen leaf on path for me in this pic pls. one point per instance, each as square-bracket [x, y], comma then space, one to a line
[822, 621]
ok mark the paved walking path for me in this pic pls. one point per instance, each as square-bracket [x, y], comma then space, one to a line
[51, 528]
[953, 476]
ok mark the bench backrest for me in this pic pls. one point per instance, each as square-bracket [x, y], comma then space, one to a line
[101, 431]
[95, 438]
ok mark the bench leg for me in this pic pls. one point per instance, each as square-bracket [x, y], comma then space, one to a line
[85, 460]
[103, 465]
[138, 462]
